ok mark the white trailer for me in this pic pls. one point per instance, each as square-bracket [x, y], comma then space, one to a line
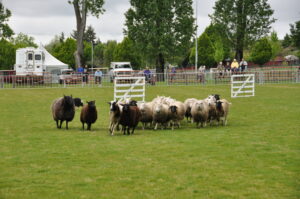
[37, 61]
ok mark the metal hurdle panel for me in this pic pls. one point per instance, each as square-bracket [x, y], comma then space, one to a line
[243, 85]
[129, 87]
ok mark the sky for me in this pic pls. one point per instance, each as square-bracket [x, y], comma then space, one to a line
[43, 19]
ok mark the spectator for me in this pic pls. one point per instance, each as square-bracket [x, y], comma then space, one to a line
[201, 74]
[173, 73]
[98, 76]
[85, 77]
[234, 66]
[220, 69]
[147, 74]
[227, 67]
[243, 65]
[80, 69]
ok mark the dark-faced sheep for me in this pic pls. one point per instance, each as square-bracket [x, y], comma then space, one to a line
[176, 114]
[114, 115]
[88, 114]
[78, 102]
[130, 118]
[63, 109]
[222, 109]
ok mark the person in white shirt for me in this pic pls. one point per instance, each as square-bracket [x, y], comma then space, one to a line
[243, 65]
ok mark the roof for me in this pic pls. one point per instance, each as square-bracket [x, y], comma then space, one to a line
[50, 60]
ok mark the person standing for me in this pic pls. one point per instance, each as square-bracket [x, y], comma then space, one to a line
[98, 76]
[220, 69]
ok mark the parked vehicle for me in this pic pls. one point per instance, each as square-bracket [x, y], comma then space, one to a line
[120, 69]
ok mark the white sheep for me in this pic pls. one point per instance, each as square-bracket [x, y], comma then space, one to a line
[160, 115]
[176, 113]
[188, 105]
[222, 109]
[146, 110]
[200, 112]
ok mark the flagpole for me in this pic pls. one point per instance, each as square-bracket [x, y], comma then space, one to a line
[196, 40]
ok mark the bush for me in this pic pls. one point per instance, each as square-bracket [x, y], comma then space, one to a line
[261, 52]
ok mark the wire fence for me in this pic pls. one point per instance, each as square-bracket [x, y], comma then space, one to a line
[154, 79]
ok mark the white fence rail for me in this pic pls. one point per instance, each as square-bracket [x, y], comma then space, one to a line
[243, 85]
[156, 79]
[129, 87]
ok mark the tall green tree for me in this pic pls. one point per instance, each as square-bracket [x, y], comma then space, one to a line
[244, 21]
[295, 34]
[286, 41]
[261, 52]
[275, 44]
[82, 9]
[5, 30]
[125, 51]
[206, 51]
[7, 55]
[109, 50]
[22, 40]
[160, 29]
[64, 51]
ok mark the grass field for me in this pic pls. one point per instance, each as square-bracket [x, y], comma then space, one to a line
[256, 156]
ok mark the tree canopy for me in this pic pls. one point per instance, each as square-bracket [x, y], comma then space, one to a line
[160, 29]
[5, 30]
[261, 52]
[244, 21]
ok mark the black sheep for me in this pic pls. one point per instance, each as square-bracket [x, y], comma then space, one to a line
[77, 102]
[130, 118]
[63, 109]
[88, 114]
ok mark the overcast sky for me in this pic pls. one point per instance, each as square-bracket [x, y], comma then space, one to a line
[43, 19]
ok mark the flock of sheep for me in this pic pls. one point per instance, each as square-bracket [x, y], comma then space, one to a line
[161, 111]
[165, 111]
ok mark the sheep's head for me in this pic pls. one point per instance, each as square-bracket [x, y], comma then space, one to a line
[173, 109]
[68, 101]
[113, 106]
[199, 105]
[219, 105]
[158, 108]
[126, 107]
[133, 103]
[91, 104]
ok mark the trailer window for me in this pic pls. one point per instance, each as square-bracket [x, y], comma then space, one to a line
[37, 57]
[30, 56]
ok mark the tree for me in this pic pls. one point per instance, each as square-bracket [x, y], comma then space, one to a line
[206, 51]
[295, 34]
[109, 52]
[22, 41]
[261, 52]
[244, 21]
[64, 51]
[125, 51]
[7, 55]
[219, 51]
[287, 41]
[88, 36]
[5, 30]
[160, 29]
[82, 9]
[275, 44]
[99, 54]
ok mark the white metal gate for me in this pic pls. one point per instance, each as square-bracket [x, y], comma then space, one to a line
[129, 87]
[243, 85]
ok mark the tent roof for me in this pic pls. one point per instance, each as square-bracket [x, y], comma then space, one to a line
[51, 60]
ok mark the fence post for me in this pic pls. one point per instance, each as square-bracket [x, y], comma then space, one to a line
[297, 76]
[261, 77]
[1, 81]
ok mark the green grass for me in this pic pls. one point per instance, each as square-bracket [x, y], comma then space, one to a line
[255, 156]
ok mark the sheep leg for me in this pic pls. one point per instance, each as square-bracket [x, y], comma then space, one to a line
[57, 124]
[82, 125]
[89, 126]
[67, 125]
[143, 125]
[128, 130]
[133, 130]
[61, 121]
